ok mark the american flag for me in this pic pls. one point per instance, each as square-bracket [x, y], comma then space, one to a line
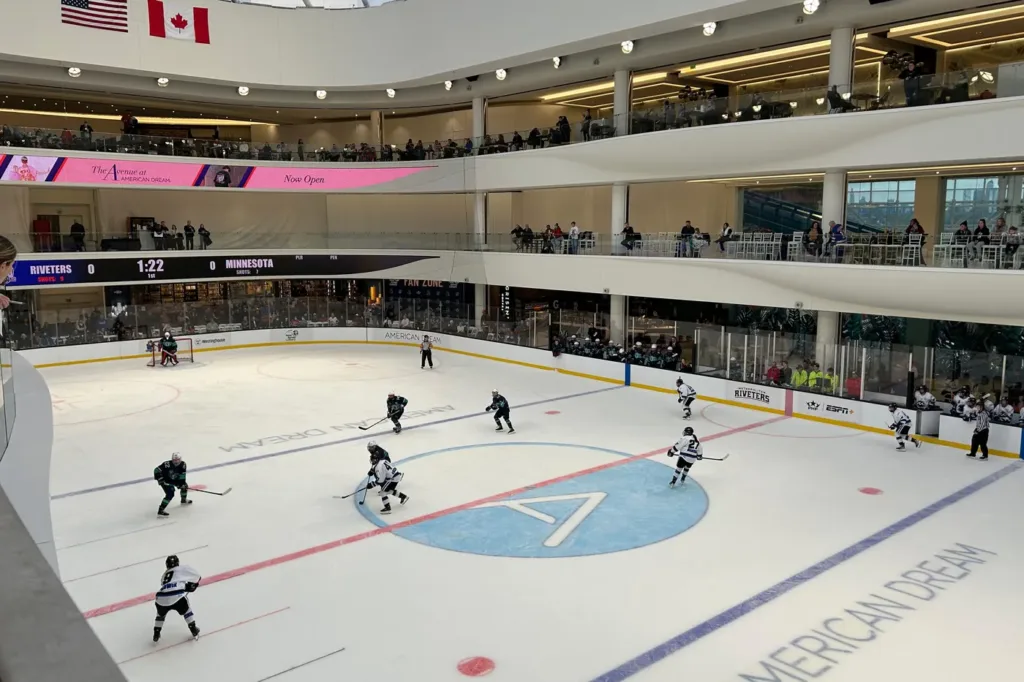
[107, 15]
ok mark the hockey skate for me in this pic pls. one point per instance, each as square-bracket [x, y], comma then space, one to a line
[511, 430]
[901, 447]
[386, 509]
[500, 428]
[156, 634]
[186, 501]
[916, 442]
[161, 512]
[402, 499]
[971, 455]
[194, 629]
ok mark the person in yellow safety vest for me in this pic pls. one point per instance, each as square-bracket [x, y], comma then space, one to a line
[799, 377]
[828, 381]
[813, 378]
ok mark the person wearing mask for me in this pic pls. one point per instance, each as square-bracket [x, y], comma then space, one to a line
[980, 437]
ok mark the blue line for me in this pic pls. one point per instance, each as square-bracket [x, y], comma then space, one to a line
[702, 630]
[306, 448]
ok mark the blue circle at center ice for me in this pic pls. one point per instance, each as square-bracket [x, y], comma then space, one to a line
[620, 508]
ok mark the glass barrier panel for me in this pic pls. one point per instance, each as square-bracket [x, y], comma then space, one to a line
[711, 351]
[885, 374]
[953, 369]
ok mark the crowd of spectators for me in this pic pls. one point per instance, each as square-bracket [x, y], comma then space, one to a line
[552, 239]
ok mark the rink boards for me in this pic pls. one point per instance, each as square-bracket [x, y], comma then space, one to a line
[1006, 441]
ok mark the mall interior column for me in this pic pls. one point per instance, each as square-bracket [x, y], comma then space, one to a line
[479, 303]
[377, 127]
[621, 102]
[479, 121]
[480, 220]
[833, 198]
[620, 215]
[617, 323]
[840, 59]
[827, 340]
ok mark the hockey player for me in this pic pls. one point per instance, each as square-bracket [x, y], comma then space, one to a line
[687, 450]
[500, 405]
[175, 585]
[168, 350]
[426, 354]
[385, 475]
[377, 451]
[901, 425]
[687, 394]
[396, 407]
[923, 398]
[960, 402]
[171, 475]
[1003, 412]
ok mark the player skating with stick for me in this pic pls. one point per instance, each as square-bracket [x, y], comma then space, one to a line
[901, 424]
[502, 410]
[383, 474]
[687, 450]
[175, 585]
[171, 475]
[396, 406]
[687, 394]
[376, 452]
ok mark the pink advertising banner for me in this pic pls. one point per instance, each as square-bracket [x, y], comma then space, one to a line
[175, 174]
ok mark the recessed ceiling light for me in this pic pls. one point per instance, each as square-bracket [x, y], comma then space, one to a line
[709, 28]
[74, 72]
[391, 92]
[500, 73]
[627, 46]
[447, 85]
[557, 61]
[243, 90]
[321, 94]
[811, 6]
[163, 82]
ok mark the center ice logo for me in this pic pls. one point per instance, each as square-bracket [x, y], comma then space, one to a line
[612, 510]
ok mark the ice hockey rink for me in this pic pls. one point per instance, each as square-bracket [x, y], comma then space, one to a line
[555, 554]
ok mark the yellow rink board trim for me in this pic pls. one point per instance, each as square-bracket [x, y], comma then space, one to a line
[658, 389]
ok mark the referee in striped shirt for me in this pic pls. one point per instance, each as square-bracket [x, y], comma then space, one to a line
[980, 437]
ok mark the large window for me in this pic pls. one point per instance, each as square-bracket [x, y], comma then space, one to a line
[880, 204]
[972, 199]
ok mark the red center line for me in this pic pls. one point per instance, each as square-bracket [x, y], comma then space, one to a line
[334, 544]
[208, 634]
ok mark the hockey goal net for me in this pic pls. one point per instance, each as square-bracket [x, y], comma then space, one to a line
[184, 352]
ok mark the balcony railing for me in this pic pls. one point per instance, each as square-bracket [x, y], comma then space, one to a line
[691, 108]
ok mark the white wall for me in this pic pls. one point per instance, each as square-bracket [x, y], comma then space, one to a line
[348, 49]
[25, 466]
[16, 216]
[379, 213]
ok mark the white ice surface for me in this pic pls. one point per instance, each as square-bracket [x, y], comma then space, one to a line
[786, 499]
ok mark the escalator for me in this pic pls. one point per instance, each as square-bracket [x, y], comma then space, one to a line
[762, 212]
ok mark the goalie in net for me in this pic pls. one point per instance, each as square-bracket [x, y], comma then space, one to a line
[168, 351]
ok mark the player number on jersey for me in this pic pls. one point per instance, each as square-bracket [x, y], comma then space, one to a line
[591, 501]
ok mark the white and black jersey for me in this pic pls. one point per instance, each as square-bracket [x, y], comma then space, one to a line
[1002, 414]
[901, 421]
[924, 400]
[386, 475]
[688, 449]
[687, 393]
[175, 584]
[960, 403]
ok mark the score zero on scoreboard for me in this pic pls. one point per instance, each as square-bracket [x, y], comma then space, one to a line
[36, 272]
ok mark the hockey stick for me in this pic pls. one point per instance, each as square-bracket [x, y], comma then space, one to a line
[717, 459]
[366, 428]
[345, 497]
[363, 498]
[210, 492]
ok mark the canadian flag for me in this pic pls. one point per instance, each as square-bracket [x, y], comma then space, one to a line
[168, 20]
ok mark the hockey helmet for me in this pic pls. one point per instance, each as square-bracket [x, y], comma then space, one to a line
[371, 445]
[172, 562]
[494, 392]
[892, 407]
[167, 335]
[688, 431]
[971, 400]
[679, 382]
[391, 394]
[175, 457]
